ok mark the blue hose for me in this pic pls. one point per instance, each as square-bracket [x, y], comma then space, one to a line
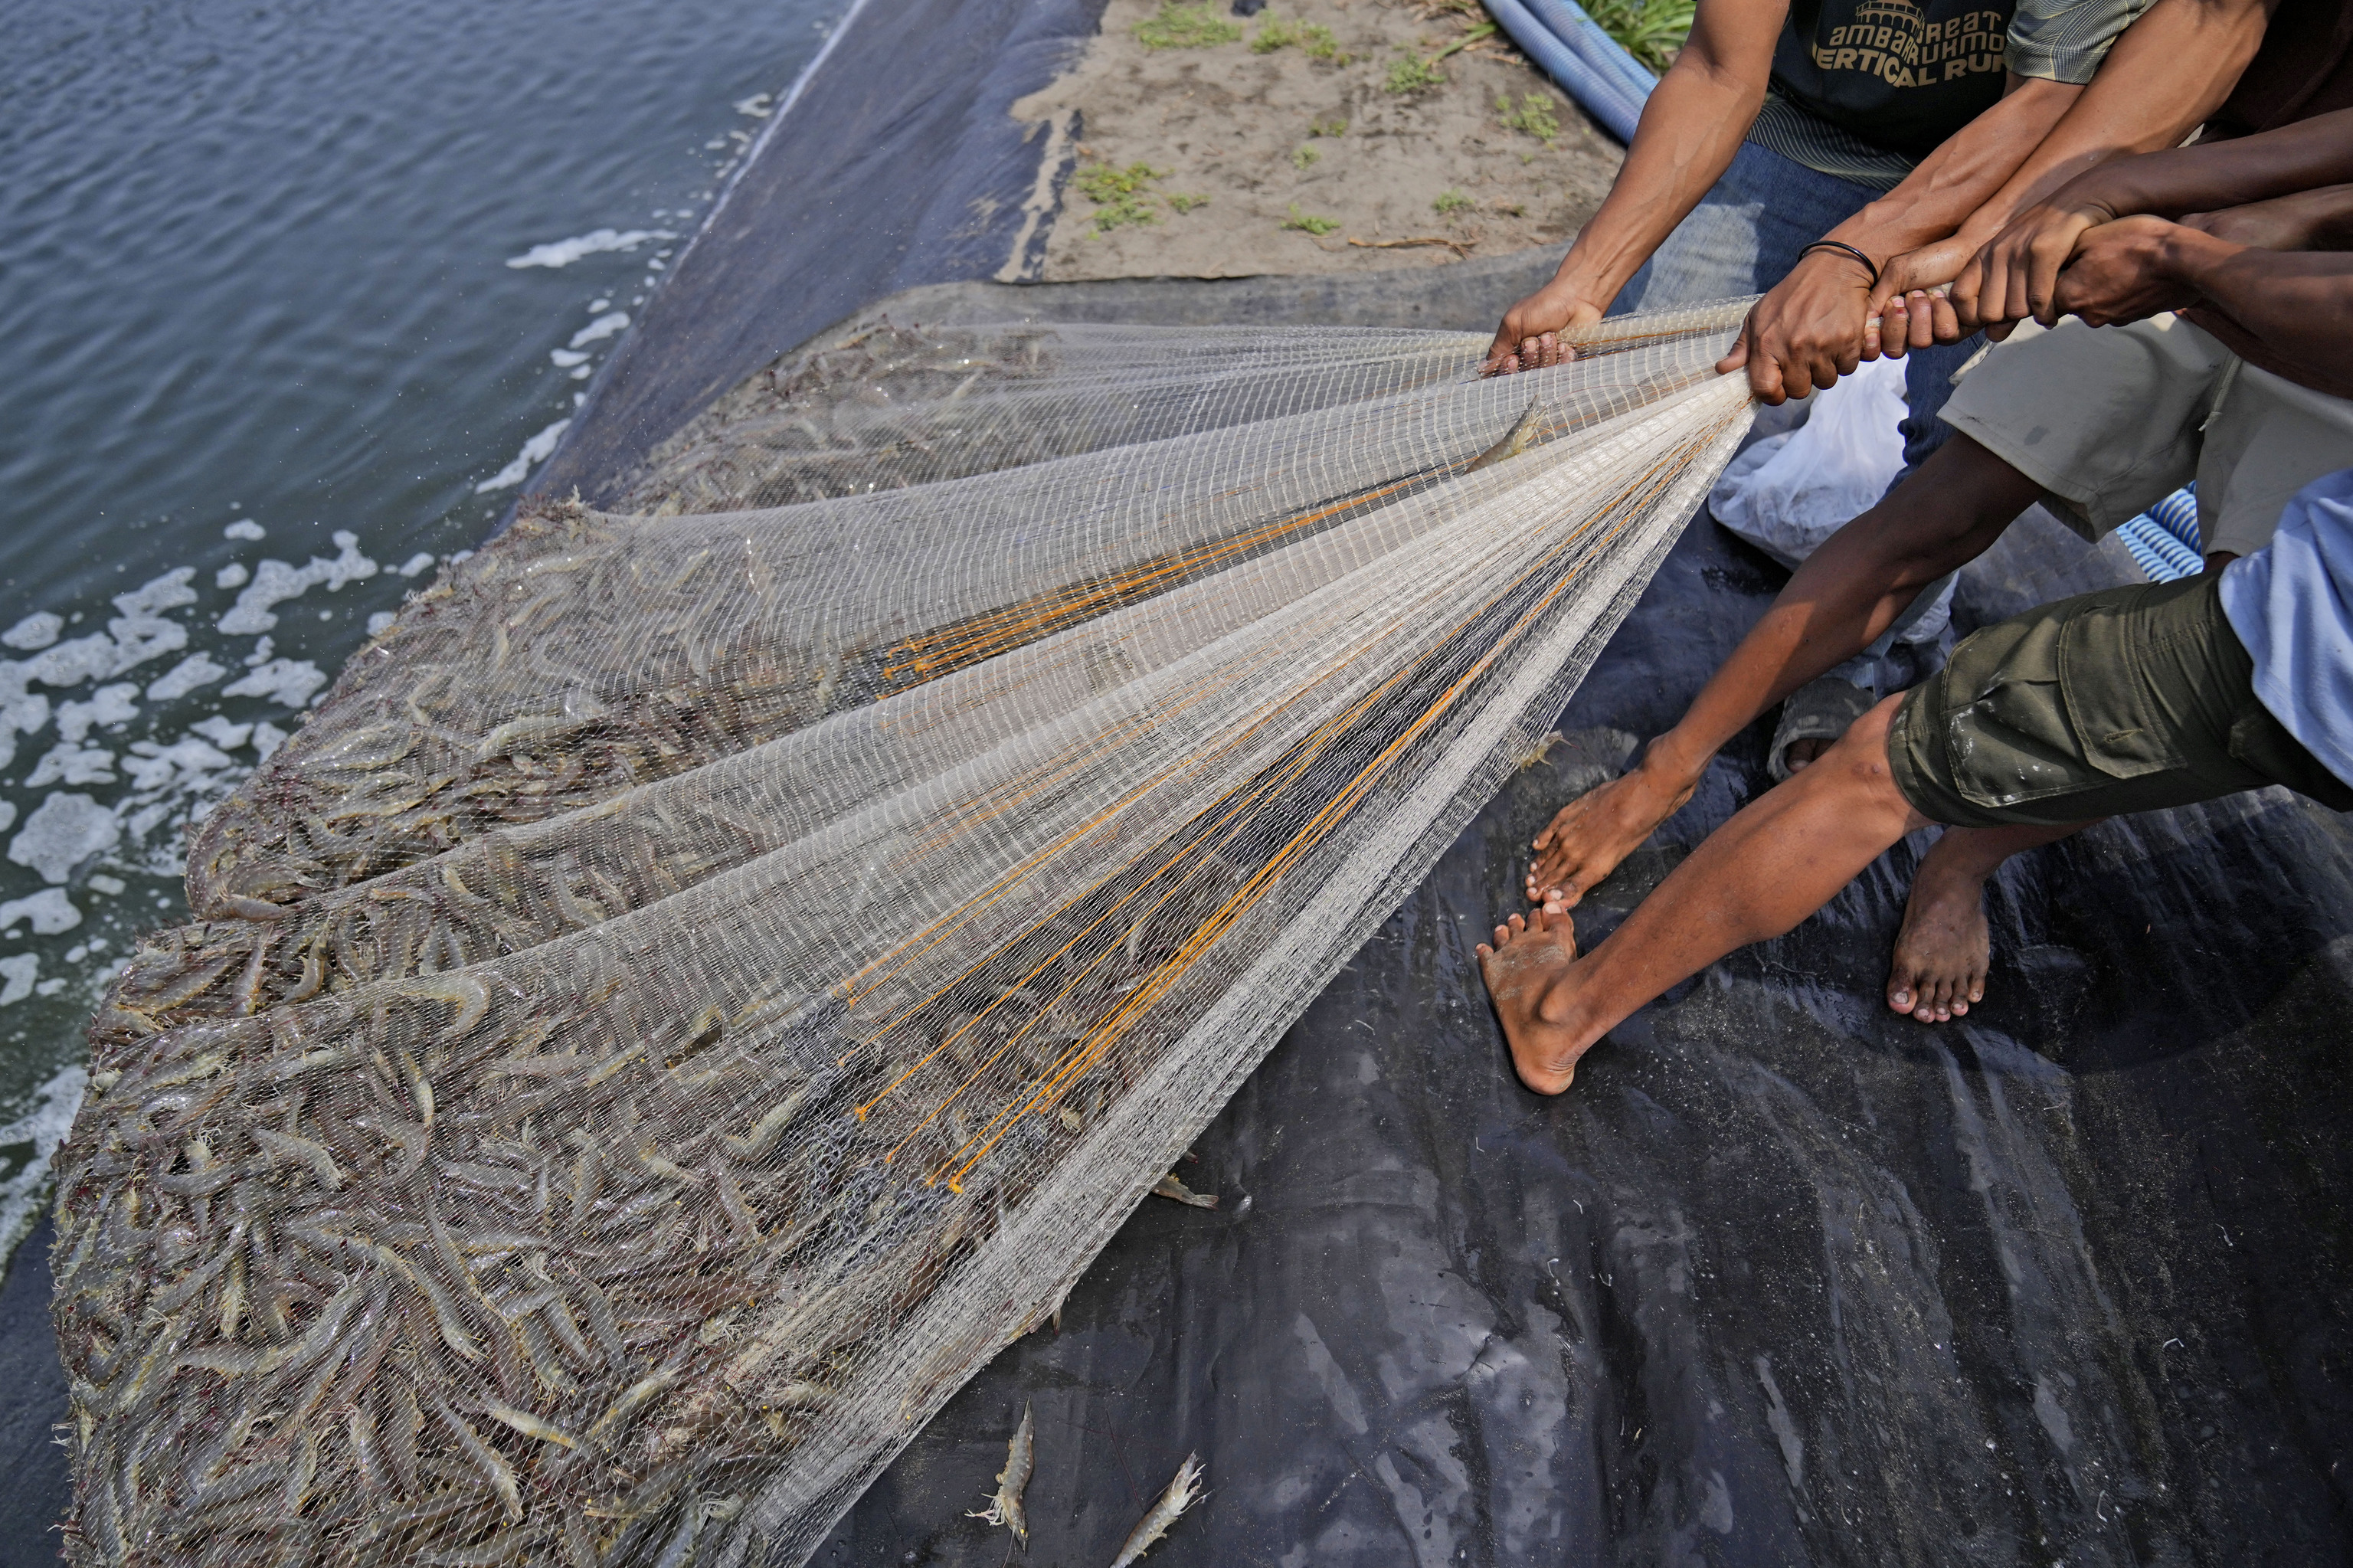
[2164, 539]
[2178, 515]
[2164, 558]
[1567, 21]
[1602, 91]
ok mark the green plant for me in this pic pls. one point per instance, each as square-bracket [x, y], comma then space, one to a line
[1184, 203]
[1304, 157]
[1313, 39]
[1176, 26]
[1449, 203]
[1653, 30]
[1336, 126]
[1308, 223]
[1471, 36]
[1121, 195]
[1535, 115]
[1414, 74]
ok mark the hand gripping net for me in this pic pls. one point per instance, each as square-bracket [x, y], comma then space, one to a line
[710, 977]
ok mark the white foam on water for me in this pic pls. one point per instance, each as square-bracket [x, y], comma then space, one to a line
[380, 622]
[63, 831]
[535, 452]
[233, 575]
[35, 631]
[243, 528]
[600, 329]
[221, 732]
[67, 763]
[275, 582]
[44, 1124]
[564, 359]
[419, 562]
[71, 663]
[288, 681]
[108, 707]
[267, 738]
[153, 596]
[564, 252]
[49, 910]
[196, 670]
[19, 972]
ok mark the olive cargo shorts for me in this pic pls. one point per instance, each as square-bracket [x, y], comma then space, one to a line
[2130, 699]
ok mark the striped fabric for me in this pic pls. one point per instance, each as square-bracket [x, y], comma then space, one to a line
[2164, 539]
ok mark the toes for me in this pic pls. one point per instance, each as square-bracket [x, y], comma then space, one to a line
[1518, 924]
[1899, 996]
[1502, 935]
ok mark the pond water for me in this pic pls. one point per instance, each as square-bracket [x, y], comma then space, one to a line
[291, 296]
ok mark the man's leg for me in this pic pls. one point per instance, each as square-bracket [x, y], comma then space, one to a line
[1944, 950]
[1848, 592]
[1781, 859]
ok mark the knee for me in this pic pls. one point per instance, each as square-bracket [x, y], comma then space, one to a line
[1857, 766]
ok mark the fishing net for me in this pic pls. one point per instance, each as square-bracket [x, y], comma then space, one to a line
[709, 977]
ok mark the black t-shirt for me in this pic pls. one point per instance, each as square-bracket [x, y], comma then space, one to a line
[1897, 74]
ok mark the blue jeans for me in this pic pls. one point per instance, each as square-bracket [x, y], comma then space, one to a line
[1745, 235]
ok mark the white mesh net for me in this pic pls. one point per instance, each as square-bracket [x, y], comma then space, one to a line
[709, 977]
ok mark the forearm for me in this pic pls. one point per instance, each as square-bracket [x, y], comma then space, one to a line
[1841, 598]
[2165, 75]
[1961, 176]
[1691, 128]
[2289, 312]
[2212, 175]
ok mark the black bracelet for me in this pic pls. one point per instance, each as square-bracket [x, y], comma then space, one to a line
[1850, 250]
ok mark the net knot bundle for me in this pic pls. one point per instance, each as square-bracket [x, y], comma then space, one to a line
[712, 975]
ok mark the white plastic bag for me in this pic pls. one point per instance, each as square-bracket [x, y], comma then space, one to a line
[1789, 492]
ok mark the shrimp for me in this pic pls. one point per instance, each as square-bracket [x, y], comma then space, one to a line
[1183, 1493]
[1004, 1508]
[1170, 1187]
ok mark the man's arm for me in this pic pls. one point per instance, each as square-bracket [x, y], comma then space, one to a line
[2165, 74]
[1690, 129]
[2290, 311]
[2309, 221]
[2017, 275]
[1812, 328]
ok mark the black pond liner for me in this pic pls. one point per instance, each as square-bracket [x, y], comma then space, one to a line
[1784, 1279]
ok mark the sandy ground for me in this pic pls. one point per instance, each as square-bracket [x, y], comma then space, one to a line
[1283, 142]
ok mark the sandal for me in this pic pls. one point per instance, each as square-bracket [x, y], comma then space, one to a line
[1819, 710]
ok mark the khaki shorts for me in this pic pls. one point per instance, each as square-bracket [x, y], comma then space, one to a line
[2130, 699]
[2111, 421]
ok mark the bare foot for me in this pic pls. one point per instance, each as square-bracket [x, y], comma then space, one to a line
[1943, 951]
[1529, 961]
[1586, 838]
